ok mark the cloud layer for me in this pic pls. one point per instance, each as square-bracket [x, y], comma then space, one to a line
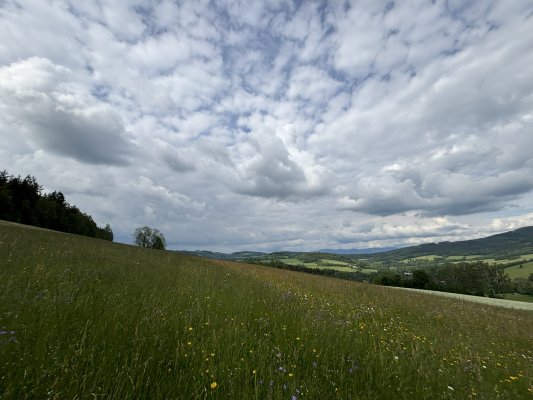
[266, 125]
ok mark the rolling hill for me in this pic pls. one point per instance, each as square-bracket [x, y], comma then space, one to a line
[503, 245]
[517, 242]
[506, 245]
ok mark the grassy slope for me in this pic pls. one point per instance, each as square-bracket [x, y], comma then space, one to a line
[90, 318]
[517, 272]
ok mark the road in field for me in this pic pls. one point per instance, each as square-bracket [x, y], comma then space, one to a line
[519, 305]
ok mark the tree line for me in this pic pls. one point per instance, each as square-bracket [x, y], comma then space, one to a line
[22, 200]
[479, 279]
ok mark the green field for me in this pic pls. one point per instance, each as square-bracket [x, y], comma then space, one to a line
[430, 259]
[518, 297]
[368, 270]
[421, 258]
[333, 267]
[322, 264]
[517, 272]
[88, 319]
[460, 258]
[335, 262]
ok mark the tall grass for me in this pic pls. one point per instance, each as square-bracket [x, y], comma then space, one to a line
[85, 319]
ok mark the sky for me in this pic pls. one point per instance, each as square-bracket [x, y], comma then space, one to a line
[275, 125]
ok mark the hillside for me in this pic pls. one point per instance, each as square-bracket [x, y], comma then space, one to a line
[503, 245]
[86, 318]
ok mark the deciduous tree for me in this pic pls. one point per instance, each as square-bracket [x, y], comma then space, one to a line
[149, 237]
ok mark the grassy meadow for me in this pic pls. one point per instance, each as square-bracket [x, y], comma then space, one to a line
[323, 264]
[520, 271]
[88, 319]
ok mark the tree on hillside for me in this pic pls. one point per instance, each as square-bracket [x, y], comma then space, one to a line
[149, 237]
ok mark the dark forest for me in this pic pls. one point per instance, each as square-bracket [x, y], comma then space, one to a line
[22, 200]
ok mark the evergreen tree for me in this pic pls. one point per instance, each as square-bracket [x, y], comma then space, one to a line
[22, 201]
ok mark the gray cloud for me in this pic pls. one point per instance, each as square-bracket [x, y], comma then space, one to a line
[440, 194]
[53, 113]
[266, 169]
[437, 229]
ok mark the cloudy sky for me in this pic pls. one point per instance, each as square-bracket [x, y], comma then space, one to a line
[269, 125]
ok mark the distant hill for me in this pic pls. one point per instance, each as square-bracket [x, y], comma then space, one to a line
[517, 242]
[370, 250]
[240, 255]
[503, 245]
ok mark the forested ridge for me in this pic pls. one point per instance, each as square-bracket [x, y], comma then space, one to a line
[22, 200]
[502, 245]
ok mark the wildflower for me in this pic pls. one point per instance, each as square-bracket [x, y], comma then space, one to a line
[254, 372]
[450, 388]
[190, 328]
[213, 385]
[290, 375]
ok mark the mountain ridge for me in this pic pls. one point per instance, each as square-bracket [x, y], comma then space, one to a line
[518, 241]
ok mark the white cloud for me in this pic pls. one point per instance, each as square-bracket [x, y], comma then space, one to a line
[275, 125]
[510, 223]
[312, 84]
[122, 19]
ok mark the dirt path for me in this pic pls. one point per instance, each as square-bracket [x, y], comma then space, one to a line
[519, 305]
